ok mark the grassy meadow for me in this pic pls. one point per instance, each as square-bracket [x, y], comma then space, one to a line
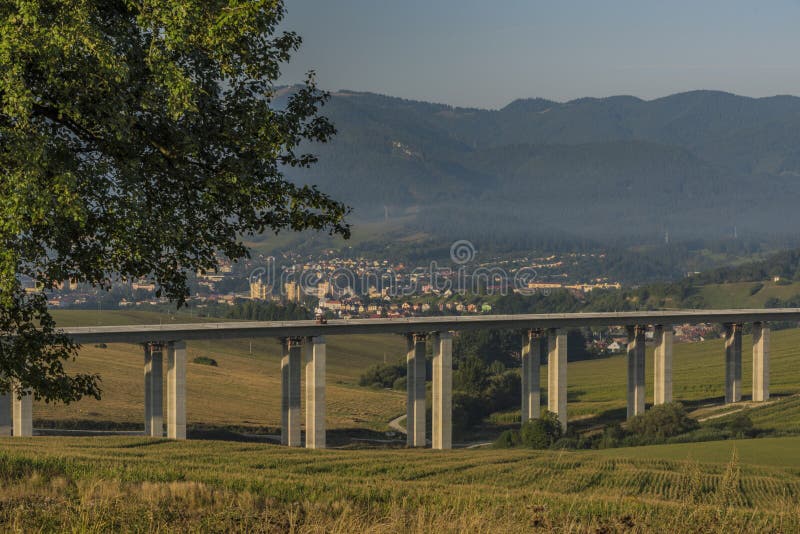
[746, 294]
[243, 391]
[597, 388]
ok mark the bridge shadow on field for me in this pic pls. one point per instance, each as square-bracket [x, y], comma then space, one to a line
[339, 437]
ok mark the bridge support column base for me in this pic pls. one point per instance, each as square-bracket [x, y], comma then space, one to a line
[154, 390]
[636, 363]
[290, 393]
[442, 426]
[415, 391]
[5, 415]
[176, 390]
[557, 375]
[760, 362]
[531, 367]
[22, 414]
[315, 392]
[733, 363]
[662, 364]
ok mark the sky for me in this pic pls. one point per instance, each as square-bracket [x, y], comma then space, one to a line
[488, 53]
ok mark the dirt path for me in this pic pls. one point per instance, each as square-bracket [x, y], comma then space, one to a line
[715, 411]
[395, 425]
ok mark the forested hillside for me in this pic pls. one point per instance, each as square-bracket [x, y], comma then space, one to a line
[699, 164]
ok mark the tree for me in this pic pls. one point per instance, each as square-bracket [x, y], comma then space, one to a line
[741, 425]
[662, 421]
[140, 139]
[541, 433]
[489, 346]
[471, 376]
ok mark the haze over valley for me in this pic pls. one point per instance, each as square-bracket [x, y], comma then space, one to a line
[702, 164]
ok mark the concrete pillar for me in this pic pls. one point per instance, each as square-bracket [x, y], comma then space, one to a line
[148, 388]
[557, 374]
[22, 414]
[636, 384]
[315, 392]
[760, 362]
[442, 426]
[415, 390]
[284, 391]
[290, 388]
[733, 363]
[176, 390]
[156, 411]
[5, 415]
[662, 364]
[531, 366]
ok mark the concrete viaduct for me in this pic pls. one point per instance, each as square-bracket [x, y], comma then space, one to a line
[303, 345]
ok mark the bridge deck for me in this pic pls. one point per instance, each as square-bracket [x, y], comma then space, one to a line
[249, 329]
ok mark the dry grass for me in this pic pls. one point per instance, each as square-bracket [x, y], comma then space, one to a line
[242, 390]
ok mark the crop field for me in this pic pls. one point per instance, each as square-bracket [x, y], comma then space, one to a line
[144, 484]
[243, 390]
[778, 453]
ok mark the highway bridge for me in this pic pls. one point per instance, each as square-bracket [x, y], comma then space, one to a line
[303, 345]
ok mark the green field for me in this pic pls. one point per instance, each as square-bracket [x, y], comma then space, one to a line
[779, 453]
[144, 484]
[743, 294]
[361, 232]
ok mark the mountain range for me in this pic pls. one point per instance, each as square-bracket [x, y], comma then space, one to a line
[699, 164]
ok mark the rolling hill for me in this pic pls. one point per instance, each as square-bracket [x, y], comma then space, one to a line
[694, 164]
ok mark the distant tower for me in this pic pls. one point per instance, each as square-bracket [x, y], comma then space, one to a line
[666, 237]
[735, 233]
[385, 213]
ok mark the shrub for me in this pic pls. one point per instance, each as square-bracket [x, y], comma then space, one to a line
[497, 368]
[471, 376]
[541, 433]
[507, 440]
[741, 425]
[101, 346]
[612, 436]
[662, 421]
[383, 374]
[503, 391]
[505, 418]
[468, 410]
[756, 288]
[400, 383]
[205, 360]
